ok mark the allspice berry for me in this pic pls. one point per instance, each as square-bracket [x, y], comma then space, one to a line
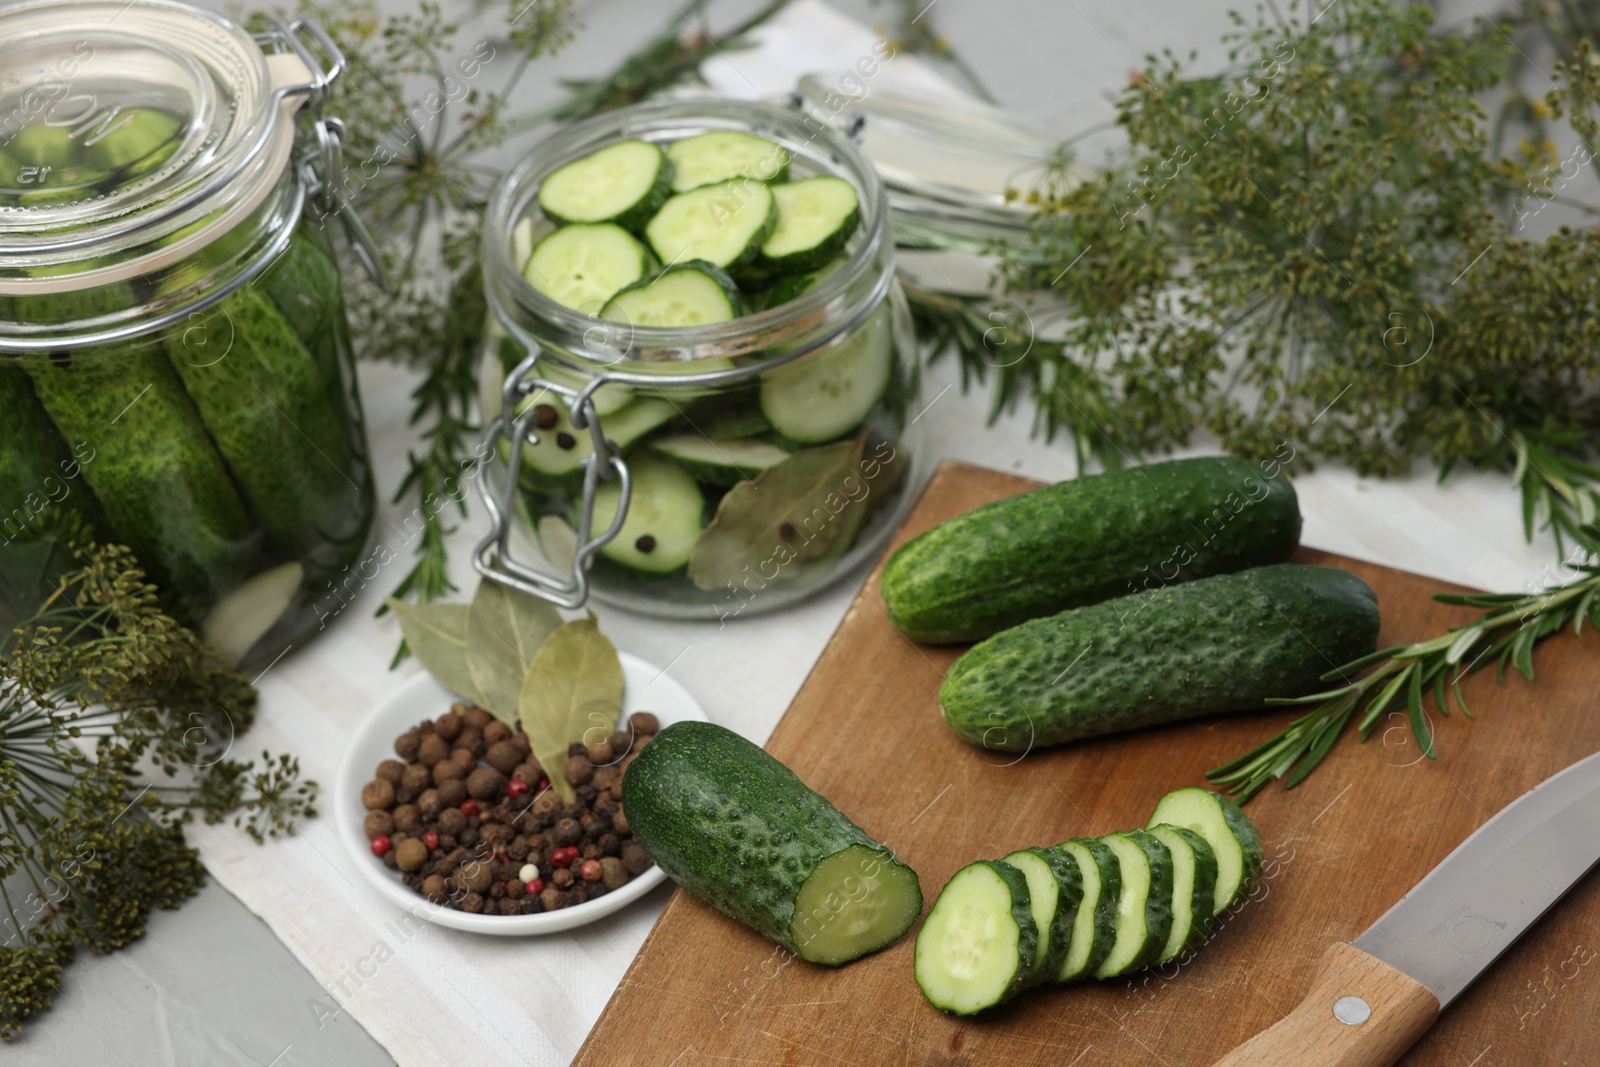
[451, 821]
[473, 902]
[546, 803]
[613, 875]
[528, 771]
[472, 740]
[378, 824]
[475, 875]
[634, 857]
[520, 739]
[433, 749]
[598, 752]
[448, 725]
[579, 770]
[407, 819]
[551, 898]
[476, 718]
[452, 793]
[405, 746]
[378, 793]
[566, 832]
[445, 770]
[495, 732]
[428, 804]
[621, 742]
[619, 822]
[465, 758]
[416, 778]
[435, 888]
[607, 776]
[411, 854]
[391, 770]
[643, 722]
[485, 784]
[503, 756]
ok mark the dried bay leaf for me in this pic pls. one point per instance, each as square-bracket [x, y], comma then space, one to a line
[504, 631]
[802, 510]
[574, 683]
[437, 635]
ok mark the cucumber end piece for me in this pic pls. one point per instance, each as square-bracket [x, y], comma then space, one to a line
[855, 902]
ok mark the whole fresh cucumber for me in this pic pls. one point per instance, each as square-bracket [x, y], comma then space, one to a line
[164, 488]
[39, 472]
[1224, 643]
[263, 399]
[737, 829]
[1083, 541]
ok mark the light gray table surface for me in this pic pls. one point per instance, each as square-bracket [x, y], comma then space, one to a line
[210, 984]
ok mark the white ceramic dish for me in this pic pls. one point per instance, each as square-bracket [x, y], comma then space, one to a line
[644, 688]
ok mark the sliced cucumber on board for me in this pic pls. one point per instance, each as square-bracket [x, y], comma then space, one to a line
[1194, 886]
[695, 293]
[978, 945]
[721, 155]
[825, 395]
[623, 183]
[727, 461]
[815, 220]
[725, 224]
[1055, 886]
[1094, 925]
[1144, 908]
[583, 266]
[1226, 828]
[736, 828]
[663, 523]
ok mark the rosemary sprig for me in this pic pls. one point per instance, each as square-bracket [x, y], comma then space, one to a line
[1505, 634]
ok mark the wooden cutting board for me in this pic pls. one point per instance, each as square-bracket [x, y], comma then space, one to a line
[865, 730]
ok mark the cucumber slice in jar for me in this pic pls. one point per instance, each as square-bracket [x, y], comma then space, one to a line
[664, 512]
[1094, 928]
[724, 224]
[695, 293]
[562, 448]
[581, 267]
[978, 945]
[721, 155]
[815, 220]
[1144, 908]
[825, 395]
[719, 462]
[1055, 887]
[1194, 884]
[790, 286]
[622, 183]
[1227, 829]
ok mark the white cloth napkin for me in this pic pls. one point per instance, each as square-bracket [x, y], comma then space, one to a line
[436, 997]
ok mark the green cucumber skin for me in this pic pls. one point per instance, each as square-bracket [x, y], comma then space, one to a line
[1083, 541]
[1157, 904]
[164, 488]
[266, 405]
[1069, 883]
[1205, 884]
[1224, 643]
[1105, 908]
[734, 826]
[39, 473]
[1027, 932]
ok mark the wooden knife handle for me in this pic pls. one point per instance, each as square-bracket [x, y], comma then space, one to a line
[1360, 1012]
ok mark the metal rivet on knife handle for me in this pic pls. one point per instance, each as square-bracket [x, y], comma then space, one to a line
[1378, 1013]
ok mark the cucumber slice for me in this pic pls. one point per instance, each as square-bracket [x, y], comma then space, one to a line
[1144, 908]
[720, 155]
[1229, 832]
[608, 399]
[695, 293]
[1094, 928]
[1194, 885]
[719, 462]
[815, 220]
[790, 286]
[663, 522]
[725, 224]
[581, 267]
[622, 183]
[1055, 886]
[825, 396]
[562, 448]
[978, 944]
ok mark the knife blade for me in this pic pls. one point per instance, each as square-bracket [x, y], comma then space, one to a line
[1374, 997]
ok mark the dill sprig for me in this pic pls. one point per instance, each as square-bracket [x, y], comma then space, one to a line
[116, 729]
[1399, 677]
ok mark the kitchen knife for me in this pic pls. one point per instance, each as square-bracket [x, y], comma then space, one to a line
[1372, 998]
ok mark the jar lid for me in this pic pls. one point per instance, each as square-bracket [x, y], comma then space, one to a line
[131, 133]
[948, 163]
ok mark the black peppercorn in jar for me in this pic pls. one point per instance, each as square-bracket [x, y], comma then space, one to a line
[175, 368]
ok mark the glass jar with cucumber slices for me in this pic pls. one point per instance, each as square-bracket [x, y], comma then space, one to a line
[175, 370]
[698, 347]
